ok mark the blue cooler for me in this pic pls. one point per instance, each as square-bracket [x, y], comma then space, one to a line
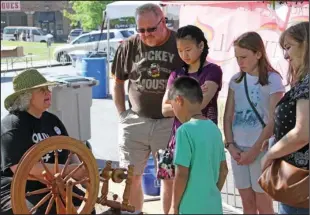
[150, 184]
[97, 68]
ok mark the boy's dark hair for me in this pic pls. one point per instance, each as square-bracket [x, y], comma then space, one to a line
[196, 34]
[186, 87]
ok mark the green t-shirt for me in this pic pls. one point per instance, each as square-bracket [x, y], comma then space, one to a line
[199, 146]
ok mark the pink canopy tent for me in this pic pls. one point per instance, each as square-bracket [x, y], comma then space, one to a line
[223, 21]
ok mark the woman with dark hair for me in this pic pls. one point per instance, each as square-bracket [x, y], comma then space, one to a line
[193, 49]
[291, 130]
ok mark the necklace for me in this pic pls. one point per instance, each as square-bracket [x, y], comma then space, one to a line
[198, 114]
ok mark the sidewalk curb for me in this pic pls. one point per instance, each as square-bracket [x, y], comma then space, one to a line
[34, 67]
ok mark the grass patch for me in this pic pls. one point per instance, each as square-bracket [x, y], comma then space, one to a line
[40, 50]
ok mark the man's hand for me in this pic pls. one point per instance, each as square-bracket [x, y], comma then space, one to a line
[248, 157]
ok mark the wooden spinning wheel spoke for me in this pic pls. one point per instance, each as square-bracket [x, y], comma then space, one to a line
[79, 157]
[69, 204]
[60, 208]
[41, 202]
[66, 164]
[50, 204]
[70, 208]
[56, 167]
[81, 181]
[78, 196]
[47, 171]
[73, 171]
[39, 179]
[36, 192]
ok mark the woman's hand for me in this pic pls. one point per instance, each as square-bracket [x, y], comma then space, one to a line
[204, 88]
[78, 175]
[234, 152]
[265, 145]
[265, 162]
[246, 158]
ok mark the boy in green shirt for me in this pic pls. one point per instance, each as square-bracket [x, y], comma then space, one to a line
[199, 158]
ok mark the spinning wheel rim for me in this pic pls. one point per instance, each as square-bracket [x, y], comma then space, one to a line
[34, 154]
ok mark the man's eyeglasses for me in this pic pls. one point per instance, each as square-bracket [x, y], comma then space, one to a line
[149, 30]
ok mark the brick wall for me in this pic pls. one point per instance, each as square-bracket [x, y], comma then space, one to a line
[42, 5]
[29, 16]
[29, 7]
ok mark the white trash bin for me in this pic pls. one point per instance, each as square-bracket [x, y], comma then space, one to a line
[71, 102]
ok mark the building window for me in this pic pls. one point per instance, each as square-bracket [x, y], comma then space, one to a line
[59, 29]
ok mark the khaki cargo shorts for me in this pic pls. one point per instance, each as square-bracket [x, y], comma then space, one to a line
[140, 136]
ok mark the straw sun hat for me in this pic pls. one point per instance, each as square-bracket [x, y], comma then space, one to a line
[27, 80]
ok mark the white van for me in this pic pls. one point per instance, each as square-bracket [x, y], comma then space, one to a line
[35, 34]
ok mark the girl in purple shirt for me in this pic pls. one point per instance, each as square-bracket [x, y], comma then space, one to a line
[193, 50]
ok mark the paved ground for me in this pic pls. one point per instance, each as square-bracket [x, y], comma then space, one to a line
[104, 124]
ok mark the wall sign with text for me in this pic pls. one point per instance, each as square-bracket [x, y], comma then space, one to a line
[10, 6]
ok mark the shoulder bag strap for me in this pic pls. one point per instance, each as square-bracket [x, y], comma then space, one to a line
[251, 104]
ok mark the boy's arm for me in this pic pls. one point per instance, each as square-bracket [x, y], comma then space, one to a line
[180, 182]
[182, 160]
[223, 175]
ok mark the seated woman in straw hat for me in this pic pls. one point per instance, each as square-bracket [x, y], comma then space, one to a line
[28, 123]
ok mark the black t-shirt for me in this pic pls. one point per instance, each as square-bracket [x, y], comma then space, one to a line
[147, 69]
[19, 132]
[285, 120]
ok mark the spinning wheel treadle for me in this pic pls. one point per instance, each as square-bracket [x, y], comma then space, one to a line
[59, 183]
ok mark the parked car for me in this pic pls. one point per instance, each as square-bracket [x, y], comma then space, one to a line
[89, 42]
[74, 33]
[36, 34]
[131, 30]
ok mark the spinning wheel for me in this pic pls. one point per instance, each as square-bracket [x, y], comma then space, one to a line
[59, 182]
[58, 186]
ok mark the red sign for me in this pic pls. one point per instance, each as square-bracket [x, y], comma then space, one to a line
[10, 6]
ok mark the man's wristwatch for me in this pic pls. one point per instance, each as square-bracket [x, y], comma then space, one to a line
[227, 144]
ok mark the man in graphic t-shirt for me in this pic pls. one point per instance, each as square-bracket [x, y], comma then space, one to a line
[146, 61]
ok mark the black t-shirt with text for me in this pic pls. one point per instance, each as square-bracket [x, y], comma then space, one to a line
[19, 132]
[147, 69]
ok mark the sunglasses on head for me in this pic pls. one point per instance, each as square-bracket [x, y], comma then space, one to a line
[149, 30]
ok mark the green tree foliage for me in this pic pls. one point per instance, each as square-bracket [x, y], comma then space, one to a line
[289, 2]
[88, 13]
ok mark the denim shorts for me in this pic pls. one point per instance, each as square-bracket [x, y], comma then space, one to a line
[286, 209]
